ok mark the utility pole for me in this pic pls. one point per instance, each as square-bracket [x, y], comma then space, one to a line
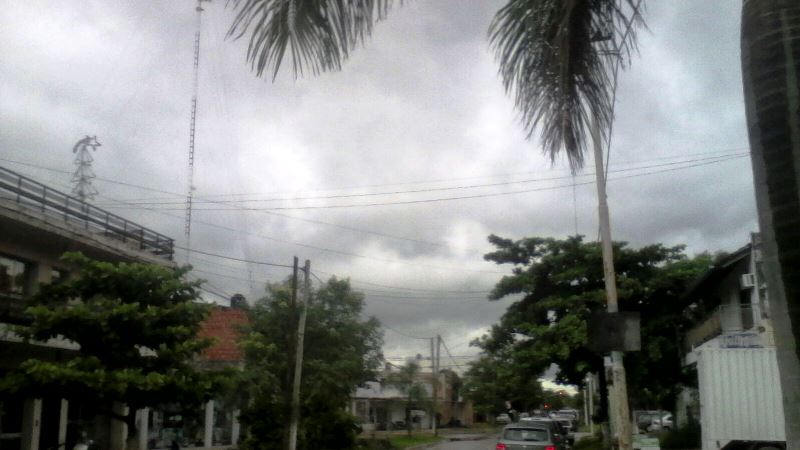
[618, 393]
[435, 349]
[298, 361]
[590, 386]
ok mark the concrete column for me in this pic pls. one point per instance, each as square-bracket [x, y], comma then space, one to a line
[62, 421]
[208, 437]
[118, 429]
[31, 423]
[236, 429]
[143, 421]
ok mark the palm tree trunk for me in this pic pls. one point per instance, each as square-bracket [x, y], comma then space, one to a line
[771, 77]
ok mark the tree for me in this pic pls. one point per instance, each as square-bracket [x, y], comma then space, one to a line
[771, 78]
[135, 326]
[491, 381]
[406, 380]
[561, 283]
[341, 352]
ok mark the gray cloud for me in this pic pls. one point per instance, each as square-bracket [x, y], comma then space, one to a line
[420, 101]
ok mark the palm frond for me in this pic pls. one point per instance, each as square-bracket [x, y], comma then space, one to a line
[319, 34]
[557, 58]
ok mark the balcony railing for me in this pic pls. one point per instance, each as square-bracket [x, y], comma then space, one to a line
[724, 319]
[55, 204]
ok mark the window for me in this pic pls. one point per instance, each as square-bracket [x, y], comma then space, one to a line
[525, 434]
[13, 276]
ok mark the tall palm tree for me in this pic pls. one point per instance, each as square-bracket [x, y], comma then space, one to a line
[771, 77]
[558, 58]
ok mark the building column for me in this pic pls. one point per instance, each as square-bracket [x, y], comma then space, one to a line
[31, 423]
[208, 436]
[143, 421]
[118, 429]
[236, 428]
[62, 422]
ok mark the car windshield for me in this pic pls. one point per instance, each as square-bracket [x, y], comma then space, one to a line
[525, 434]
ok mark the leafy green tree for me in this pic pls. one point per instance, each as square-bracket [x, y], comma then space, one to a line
[341, 351]
[406, 380]
[493, 380]
[135, 326]
[561, 282]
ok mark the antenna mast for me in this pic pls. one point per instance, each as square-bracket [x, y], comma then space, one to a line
[83, 175]
[190, 190]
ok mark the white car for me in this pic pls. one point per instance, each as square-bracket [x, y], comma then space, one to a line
[503, 418]
[664, 424]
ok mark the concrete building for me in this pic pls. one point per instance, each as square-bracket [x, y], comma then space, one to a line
[37, 225]
[732, 349]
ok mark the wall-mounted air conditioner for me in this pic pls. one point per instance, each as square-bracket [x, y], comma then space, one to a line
[747, 281]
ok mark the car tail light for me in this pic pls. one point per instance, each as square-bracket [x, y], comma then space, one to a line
[550, 447]
[501, 446]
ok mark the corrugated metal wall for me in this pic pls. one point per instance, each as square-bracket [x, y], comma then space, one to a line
[740, 396]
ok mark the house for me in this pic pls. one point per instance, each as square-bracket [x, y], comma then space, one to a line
[381, 406]
[732, 350]
[217, 424]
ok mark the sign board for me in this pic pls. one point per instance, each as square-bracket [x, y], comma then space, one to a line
[614, 332]
[745, 339]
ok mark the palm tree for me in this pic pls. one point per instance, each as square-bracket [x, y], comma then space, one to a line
[771, 77]
[558, 58]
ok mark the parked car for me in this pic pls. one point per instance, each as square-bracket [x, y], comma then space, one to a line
[560, 433]
[527, 435]
[503, 418]
[664, 423]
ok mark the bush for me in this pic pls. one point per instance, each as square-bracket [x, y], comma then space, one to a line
[589, 443]
[682, 438]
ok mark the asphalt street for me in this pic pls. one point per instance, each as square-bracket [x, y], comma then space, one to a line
[484, 444]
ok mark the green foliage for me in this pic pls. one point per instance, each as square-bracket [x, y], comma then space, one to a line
[589, 443]
[492, 380]
[413, 441]
[341, 351]
[561, 282]
[136, 327]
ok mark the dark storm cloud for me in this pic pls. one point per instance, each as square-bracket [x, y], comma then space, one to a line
[420, 102]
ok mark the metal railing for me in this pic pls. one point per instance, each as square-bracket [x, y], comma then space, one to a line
[55, 204]
[724, 319]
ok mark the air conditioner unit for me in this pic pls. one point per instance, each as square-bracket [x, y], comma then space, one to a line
[748, 281]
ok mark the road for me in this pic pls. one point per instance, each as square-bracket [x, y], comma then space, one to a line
[483, 444]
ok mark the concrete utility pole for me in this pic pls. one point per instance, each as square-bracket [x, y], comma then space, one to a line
[298, 360]
[435, 349]
[618, 393]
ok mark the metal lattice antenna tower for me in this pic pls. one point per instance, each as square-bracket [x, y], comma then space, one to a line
[83, 175]
[190, 190]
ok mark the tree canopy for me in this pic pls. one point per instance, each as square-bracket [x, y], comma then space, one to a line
[134, 327]
[342, 351]
[559, 283]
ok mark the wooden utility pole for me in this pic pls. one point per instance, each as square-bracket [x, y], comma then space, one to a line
[618, 394]
[298, 360]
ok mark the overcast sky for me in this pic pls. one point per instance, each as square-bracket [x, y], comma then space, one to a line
[419, 108]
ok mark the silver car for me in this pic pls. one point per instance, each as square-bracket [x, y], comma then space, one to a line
[525, 436]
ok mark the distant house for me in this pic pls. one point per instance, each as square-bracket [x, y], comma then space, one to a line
[381, 406]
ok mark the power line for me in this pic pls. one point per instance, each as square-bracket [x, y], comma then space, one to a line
[440, 189]
[708, 161]
[384, 325]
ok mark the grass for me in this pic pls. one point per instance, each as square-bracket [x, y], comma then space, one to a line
[415, 439]
[589, 443]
